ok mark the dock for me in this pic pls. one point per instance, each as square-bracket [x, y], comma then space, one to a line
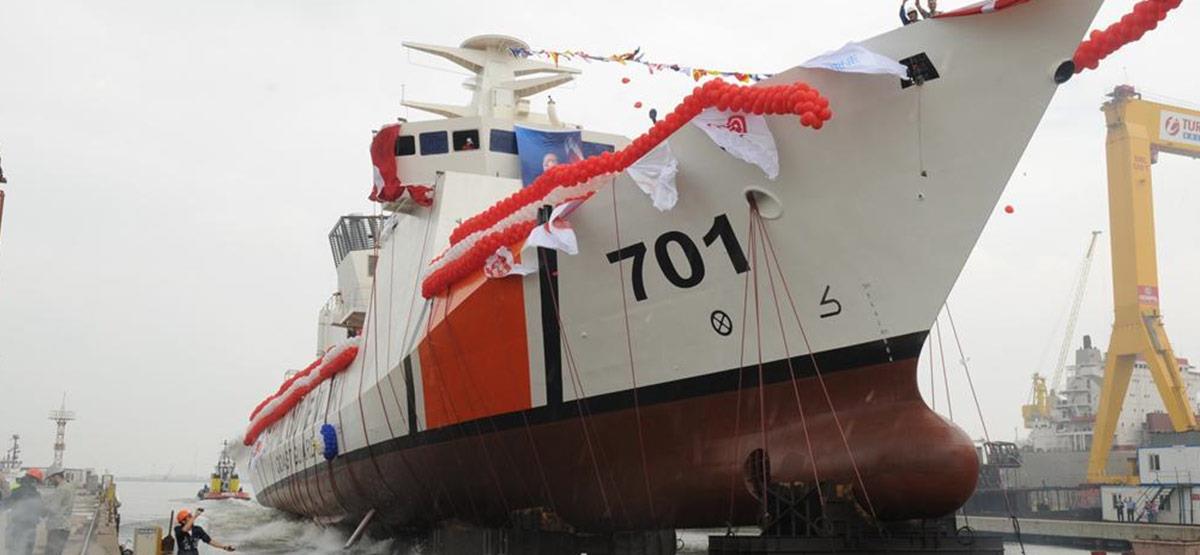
[95, 522]
[94, 525]
[1139, 537]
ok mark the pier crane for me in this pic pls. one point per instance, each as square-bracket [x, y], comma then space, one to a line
[1042, 398]
[1138, 131]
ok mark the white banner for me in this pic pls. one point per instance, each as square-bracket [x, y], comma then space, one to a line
[854, 58]
[745, 136]
[1179, 128]
[655, 175]
[555, 234]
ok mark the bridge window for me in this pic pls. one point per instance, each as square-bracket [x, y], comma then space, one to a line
[434, 142]
[406, 145]
[466, 139]
[503, 141]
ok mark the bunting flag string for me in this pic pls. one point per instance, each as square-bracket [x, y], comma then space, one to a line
[636, 57]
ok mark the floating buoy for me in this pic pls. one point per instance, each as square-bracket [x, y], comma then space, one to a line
[637, 104]
[625, 80]
[1008, 209]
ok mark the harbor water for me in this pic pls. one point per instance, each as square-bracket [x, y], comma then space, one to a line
[260, 530]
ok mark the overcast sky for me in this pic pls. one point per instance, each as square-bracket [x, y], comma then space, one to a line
[174, 169]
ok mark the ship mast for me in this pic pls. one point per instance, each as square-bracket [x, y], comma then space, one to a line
[60, 418]
[498, 88]
[225, 466]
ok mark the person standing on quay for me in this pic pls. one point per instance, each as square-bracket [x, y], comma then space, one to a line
[59, 505]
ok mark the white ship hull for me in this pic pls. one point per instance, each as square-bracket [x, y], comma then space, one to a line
[451, 410]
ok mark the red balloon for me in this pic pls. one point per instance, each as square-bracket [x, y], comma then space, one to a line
[637, 104]
[1008, 209]
[625, 80]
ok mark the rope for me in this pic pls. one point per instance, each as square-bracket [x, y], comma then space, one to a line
[442, 491]
[737, 425]
[577, 386]
[820, 379]
[762, 409]
[637, 411]
[983, 424]
[368, 327]
[937, 326]
[791, 370]
[446, 400]
[932, 379]
[488, 412]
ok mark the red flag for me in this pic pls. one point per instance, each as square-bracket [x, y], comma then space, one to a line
[387, 186]
[421, 194]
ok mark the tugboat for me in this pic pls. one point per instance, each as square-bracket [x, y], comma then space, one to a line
[638, 384]
[224, 483]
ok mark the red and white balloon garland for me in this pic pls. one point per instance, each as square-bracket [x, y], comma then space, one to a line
[793, 98]
[1100, 44]
[268, 412]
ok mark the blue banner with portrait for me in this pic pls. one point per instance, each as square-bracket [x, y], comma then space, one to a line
[541, 149]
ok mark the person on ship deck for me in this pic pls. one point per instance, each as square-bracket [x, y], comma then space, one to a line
[931, 13]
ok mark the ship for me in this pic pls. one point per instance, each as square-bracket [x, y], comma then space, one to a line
[224, 483]
[759, 331]
[1068, 428]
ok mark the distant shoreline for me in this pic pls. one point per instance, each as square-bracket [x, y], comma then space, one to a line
[172, 479]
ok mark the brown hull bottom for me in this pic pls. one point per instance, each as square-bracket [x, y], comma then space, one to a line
[914, 463]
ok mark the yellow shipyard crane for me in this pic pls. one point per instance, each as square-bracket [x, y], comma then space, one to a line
[1138, 131]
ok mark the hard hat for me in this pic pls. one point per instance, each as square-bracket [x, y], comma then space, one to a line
[182, 515]
[36, 474]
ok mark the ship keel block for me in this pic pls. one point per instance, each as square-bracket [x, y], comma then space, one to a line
[910, 537]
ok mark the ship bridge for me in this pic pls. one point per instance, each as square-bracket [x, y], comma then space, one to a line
[478, 137]
[352, 241]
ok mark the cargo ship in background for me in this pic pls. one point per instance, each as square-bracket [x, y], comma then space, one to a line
[624, 389]
[1069, 426]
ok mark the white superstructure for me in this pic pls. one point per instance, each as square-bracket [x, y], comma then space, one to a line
[1074, 408]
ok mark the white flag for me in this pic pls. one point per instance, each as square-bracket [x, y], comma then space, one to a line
[655, 175]
[746, 136]
[854, 58]
[555, 234]
[502, 263]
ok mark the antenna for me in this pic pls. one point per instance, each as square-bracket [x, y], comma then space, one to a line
[60, 418]
[12, 459]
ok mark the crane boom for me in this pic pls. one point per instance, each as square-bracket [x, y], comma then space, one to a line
[1085, 267]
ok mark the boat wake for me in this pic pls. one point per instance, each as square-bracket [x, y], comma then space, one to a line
[257, 529]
